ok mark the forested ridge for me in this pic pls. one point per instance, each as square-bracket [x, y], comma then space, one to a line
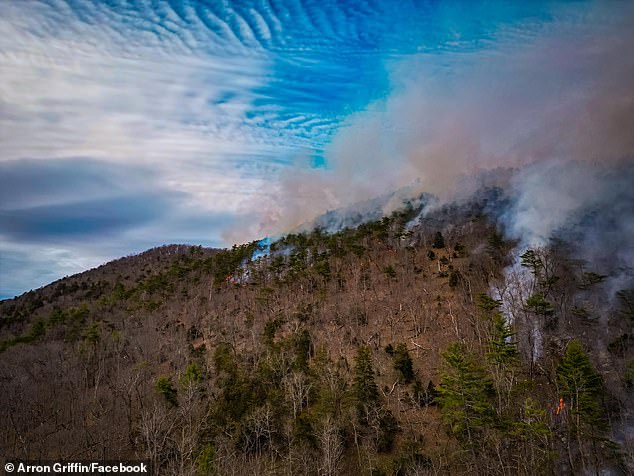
[425, 342]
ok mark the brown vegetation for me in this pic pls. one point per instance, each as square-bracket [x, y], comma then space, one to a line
[328, 355]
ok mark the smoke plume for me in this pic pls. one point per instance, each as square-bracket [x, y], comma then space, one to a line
[557, 109]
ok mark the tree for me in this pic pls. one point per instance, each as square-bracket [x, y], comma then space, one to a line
[403, 363]
[580, 388]
[463, 393]
[205, 461]
[502, 355]
[439, 241]
[165, 387]
[579, 384]
[297, 389]
[539, 305]
[487, 304]
[533, 437]
[531, 259]
[155, 427]
[626, 298]
[502, 346]
[366, 392]
[454, 278]
[541, 265]
[389, 271]
[193, 375]
[331, 447]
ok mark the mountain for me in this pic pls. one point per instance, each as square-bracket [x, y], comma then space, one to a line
[426, 341]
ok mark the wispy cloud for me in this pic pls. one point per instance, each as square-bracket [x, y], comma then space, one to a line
[156, 129]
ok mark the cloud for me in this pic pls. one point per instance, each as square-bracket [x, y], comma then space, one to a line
[153, 107]
[58, 217]
[67, 200]
[24, 267]
[31, 183]
[116, 135]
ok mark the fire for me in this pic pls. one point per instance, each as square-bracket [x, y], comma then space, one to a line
[560, 407]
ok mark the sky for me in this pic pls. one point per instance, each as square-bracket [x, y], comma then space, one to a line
[128, 124]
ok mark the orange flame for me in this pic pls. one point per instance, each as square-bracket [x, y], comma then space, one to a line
[561, 406]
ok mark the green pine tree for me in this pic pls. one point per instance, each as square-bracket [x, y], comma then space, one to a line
[538, 304]
[463, 393]
[530, 259]
[579, 384]
[533, 438]
[502, 346]
[487, 304]
[366, 392]
[403, 363]
[165, 387]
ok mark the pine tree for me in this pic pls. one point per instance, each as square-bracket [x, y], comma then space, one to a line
[533, 437]
[439, 241]
[487, 304]
[165, 387]
[403, 363]
[463, 393]
[366, 392]
[502, 353]
[502, 347]
[580, 384]
[538, 304]
[530, 259]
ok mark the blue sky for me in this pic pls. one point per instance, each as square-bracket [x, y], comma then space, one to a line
[129, 124]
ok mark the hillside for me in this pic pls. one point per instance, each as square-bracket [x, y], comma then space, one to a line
[424, 342]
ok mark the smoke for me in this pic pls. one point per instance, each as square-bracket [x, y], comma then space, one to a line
[548, 194]
[588, 205]
[557, 108]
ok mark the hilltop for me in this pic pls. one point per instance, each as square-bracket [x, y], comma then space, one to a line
[416, 343]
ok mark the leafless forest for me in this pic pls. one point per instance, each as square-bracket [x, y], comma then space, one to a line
[419, 343]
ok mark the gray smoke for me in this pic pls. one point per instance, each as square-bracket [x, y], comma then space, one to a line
[549, 120]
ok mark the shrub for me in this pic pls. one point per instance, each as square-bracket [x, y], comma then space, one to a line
[165, 387]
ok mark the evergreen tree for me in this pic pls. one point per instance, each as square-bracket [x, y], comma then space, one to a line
[463, 393]
[439, 241]
[365, 390]
[487, 304]
[165, 387]
[580, 384]
[539, 305]
[502, 353]
[403, 363]
[193, 375]
[502, 347]
[533, 438]
[530, 259]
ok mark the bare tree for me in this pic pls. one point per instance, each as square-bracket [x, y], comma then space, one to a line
[296, 390]
[331, 447]
[156, 427]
